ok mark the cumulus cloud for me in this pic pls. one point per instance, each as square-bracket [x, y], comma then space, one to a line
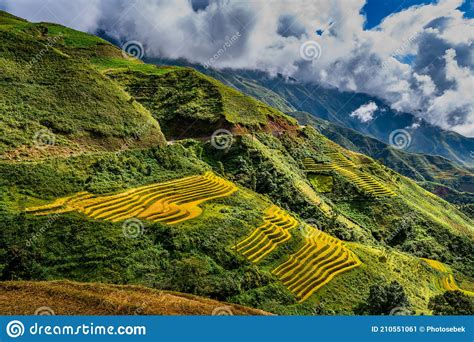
[436, 84]
[365, 113]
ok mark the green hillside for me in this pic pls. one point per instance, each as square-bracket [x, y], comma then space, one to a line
[55, 102]
[432, 172]
[111, 202]
[332, 105]
[428, 168]
[190, 104]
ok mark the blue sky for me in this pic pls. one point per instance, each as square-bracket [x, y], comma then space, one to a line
[468, 8]
[376, 10]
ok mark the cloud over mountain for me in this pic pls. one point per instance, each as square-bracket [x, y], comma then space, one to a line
[365, 113]
[419, 59]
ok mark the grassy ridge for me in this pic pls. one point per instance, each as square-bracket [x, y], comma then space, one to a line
[48, 86]
[190, 104]
[73, 298]
[266, 160]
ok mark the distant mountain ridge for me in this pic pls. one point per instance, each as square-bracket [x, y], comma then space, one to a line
[336, 106]
[436, 174]
[439, 174]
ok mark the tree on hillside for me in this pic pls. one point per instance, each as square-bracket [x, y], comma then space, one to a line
[451, 303]
[385, 300]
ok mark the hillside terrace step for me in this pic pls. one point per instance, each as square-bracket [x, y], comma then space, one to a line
[315, 264]
[169, 202]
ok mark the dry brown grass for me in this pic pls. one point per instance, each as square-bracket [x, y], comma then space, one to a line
[73, 298]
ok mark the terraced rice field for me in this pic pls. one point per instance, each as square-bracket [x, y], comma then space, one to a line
[349, 170]
[169, 202]
[265, 238]
[446, 280]
[315, 264]
[340, 160]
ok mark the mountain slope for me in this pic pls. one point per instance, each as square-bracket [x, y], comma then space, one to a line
[72, 298]
[434, 173]
[87, 225]
[336, 107]
[55, 102]
[201, 106]
[423, 168]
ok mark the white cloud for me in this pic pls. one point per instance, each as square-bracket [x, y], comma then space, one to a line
[436, 85]
[456, 101]
[365, 113]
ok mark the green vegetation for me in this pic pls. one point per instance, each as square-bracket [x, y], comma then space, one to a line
[436, 174]
[105, 64]
[348, 169]
[105, 112]
[452, 303]
[385, 300]
[178, 96]
[322, 183]
[52, 95]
